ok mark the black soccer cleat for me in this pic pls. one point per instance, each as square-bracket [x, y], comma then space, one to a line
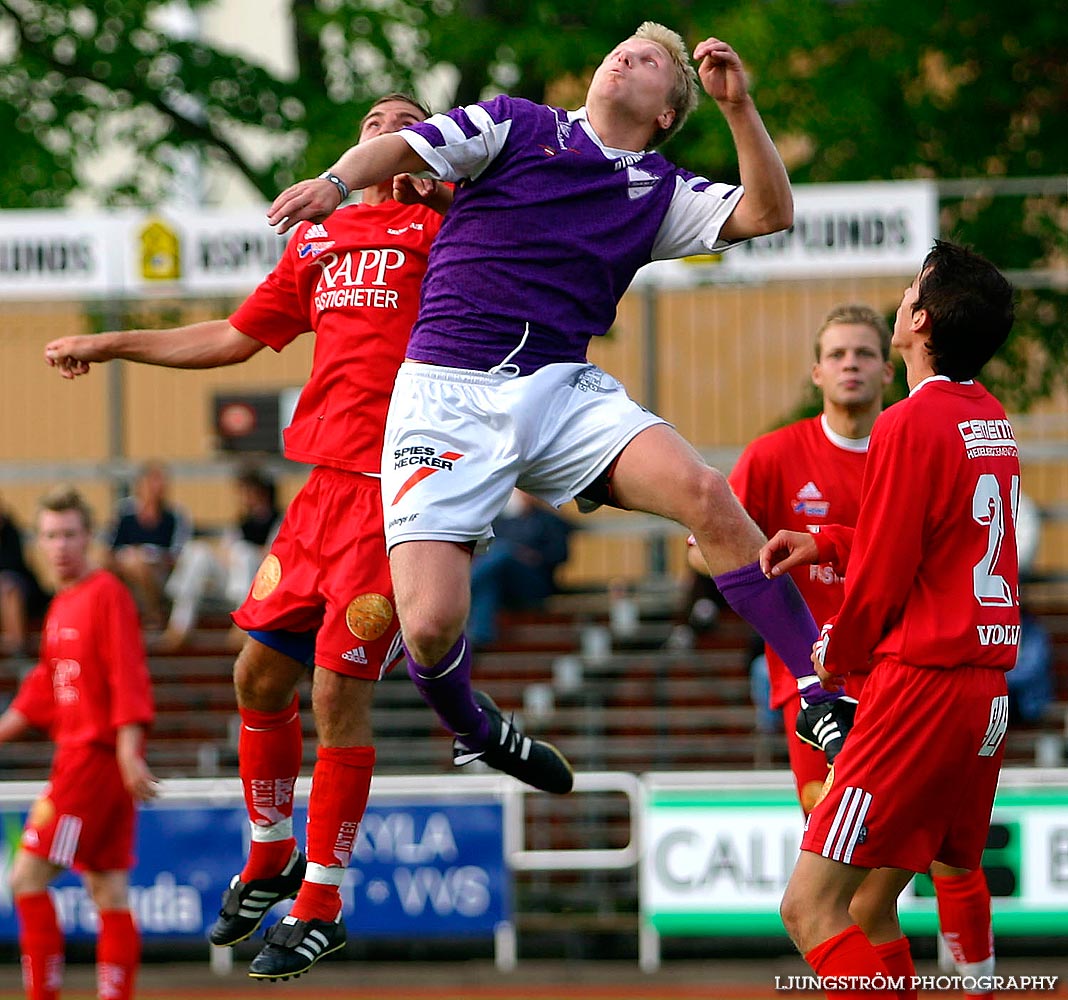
[826, 725]
[245, 904]
[294, 946]
[534, 762]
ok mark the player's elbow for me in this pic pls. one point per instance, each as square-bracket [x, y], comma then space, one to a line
[775, 217]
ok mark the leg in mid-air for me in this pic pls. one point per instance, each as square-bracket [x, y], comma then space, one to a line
[269, 756]
[431, 580]
[341, 783]
[659, 472]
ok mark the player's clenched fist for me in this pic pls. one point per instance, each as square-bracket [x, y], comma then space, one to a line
[71, 355]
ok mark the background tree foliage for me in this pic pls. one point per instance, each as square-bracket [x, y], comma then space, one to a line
[860, 90]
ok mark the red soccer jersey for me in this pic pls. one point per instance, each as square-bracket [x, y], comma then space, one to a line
[92, 676]
[801, 478]
[932, 578]
[355, 280]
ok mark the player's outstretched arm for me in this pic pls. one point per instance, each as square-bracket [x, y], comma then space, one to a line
[211, 344]
[767, 204]
[367, 163]
[785, 550]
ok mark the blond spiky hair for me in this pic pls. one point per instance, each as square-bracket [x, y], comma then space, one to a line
[683, 95]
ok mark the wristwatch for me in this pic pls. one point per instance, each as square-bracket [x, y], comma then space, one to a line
[342, 187]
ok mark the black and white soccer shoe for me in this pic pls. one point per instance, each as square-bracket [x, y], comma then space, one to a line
[294, 946]
[827, 724]
[534, 762]
[245, 904]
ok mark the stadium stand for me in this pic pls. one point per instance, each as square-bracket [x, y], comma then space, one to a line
[628, 702]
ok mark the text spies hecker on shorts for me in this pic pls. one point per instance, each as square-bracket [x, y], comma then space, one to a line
[420, 455]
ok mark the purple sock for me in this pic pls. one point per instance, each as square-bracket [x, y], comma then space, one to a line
[776, 609]
[446, 688]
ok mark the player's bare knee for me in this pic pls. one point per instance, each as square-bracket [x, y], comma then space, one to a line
[429, 638]
[791, 911]
[711, 501]
[262, 682]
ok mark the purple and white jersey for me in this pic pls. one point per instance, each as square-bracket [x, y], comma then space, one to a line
[546, 231]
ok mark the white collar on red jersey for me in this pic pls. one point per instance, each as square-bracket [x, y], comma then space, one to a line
[840, 441]
[939, 378]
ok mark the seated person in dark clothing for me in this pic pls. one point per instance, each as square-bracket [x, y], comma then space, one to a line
[22, 598]
[145, 539]
[224, 567]
[518, 570]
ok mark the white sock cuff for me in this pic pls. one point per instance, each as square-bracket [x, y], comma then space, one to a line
[282, 830]
[323, 875]
[985, 968]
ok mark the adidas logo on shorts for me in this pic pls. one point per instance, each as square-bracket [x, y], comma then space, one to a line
[356, 655]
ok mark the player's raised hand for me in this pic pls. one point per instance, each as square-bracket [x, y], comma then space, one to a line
[721, 71]
[785, 550]
[411, 190]
[306, 201]
[71, 356]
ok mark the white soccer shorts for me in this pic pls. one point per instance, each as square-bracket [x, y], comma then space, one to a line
[457, 442]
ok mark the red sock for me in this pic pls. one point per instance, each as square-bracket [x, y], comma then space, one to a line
[269, 752]
[118, 955]
[897, 958]
[341, 783]
[964, 917]
[848, 953]
[41, 945]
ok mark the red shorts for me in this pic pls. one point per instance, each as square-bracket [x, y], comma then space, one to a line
[328, 572]
[808, 764]
[915, 781]
[84, 819]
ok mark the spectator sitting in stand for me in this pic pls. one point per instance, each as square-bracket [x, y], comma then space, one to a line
[226, 568]
[145, 539]
[518, 570]
[22, 598]
[1031, 688]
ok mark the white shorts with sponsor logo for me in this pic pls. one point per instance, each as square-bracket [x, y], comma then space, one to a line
[458, 441]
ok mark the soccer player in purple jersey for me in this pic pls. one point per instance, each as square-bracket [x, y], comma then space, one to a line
[553, 214]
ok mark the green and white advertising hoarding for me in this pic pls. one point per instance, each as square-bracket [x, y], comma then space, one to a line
[718, 849]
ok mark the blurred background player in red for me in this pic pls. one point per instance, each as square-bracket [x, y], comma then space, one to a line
[91, 691]
[932, 569]
[806, 475]
[323, 594]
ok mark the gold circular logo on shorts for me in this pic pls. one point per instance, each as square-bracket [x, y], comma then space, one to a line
[41, 813]
[268, 576]
[368, 616]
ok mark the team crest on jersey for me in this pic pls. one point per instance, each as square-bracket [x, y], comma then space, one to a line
[368, 616]
[268, 576]
[640, 182]
[313, 249]
[810, 502]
